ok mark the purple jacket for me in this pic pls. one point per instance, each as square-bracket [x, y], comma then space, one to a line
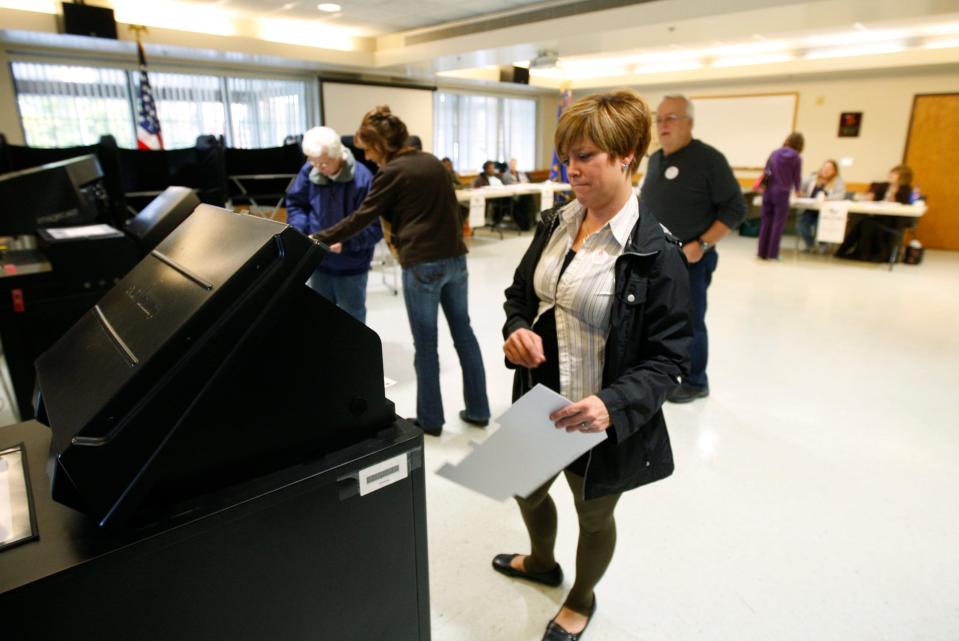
[784, 169]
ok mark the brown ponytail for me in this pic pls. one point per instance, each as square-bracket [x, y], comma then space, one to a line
[384, 133]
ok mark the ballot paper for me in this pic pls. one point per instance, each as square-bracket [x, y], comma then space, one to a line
[524, 452]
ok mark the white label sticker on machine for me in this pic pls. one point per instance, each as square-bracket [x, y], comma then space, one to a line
[383, 473]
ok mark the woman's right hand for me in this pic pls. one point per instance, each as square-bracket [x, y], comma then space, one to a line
[524, 347]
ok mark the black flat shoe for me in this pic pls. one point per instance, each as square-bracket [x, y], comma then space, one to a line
[552, 578]
[473, 421]
[687, 394]
[555, 632]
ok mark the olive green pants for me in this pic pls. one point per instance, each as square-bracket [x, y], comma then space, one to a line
[597, 537]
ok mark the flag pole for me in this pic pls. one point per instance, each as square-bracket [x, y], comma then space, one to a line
[138, 30]
[149, 136]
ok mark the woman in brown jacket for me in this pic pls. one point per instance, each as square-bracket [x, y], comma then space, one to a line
[412, 192]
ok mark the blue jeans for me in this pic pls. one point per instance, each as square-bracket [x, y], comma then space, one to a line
[348, 292]
[700, 276]
[807, 227]
[426, 288]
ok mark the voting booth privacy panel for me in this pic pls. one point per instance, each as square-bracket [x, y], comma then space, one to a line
[221, 460]
[180, 378]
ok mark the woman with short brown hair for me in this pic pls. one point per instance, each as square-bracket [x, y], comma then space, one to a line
[599, 312]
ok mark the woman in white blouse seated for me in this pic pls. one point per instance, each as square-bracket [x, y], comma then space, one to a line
[826, 182]
[513, 176]
[598, 311]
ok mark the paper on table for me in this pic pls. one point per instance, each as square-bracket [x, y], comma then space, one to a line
[524, 452]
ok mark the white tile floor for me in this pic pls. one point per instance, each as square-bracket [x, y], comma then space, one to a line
[816, 494]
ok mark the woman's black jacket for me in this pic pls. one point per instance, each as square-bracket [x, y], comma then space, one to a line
[647, 351]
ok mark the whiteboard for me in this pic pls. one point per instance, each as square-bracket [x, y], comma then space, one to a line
[746, 129]
[344, 105]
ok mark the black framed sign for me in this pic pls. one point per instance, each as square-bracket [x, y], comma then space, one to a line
[849, 124]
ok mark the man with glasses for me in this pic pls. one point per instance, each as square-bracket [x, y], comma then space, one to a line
[330, 186]
[690, 188]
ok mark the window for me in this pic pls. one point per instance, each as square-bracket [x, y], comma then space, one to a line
[65, 105]
[187, 106]
[264, 112]
[472, 129]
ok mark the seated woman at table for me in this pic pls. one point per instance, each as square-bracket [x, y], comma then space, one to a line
[876, 238]
[496, 208]
[898, 189]
[513, 175]
[826, 184]
[599, 312]
[489, 177]
[523, 206]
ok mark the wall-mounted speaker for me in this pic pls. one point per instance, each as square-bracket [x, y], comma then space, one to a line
[509, 73]
[86, 20]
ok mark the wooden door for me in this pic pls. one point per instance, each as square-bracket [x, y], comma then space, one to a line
[932, 150]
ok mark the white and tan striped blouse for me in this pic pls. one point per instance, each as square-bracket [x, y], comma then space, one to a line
[583, 298]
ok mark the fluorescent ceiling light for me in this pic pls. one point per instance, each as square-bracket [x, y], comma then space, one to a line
[579, 73]
[178, 15]
[849, 52]
[666, 57]
[329, 7]
[601, 72]
[941, 29]
[855, 38]
[37, 6]
[742, 61]
[947, 43]
[679, 65]
[747, 49]
[590, 64]
[307, 33]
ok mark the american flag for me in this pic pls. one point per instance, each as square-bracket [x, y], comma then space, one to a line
[148, 125]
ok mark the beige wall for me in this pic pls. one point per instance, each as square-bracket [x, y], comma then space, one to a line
[345, 104]
[884, 98]
[547, 127]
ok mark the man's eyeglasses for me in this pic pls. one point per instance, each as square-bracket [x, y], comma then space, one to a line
[671, 118]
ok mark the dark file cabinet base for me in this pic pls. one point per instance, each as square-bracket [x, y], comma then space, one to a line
[300, 555]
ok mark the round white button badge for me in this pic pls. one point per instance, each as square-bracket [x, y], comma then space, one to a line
[671, 172]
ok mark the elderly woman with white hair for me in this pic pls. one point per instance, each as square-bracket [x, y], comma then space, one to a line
[329, 187]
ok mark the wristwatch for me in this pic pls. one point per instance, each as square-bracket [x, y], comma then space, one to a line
[704, 245]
